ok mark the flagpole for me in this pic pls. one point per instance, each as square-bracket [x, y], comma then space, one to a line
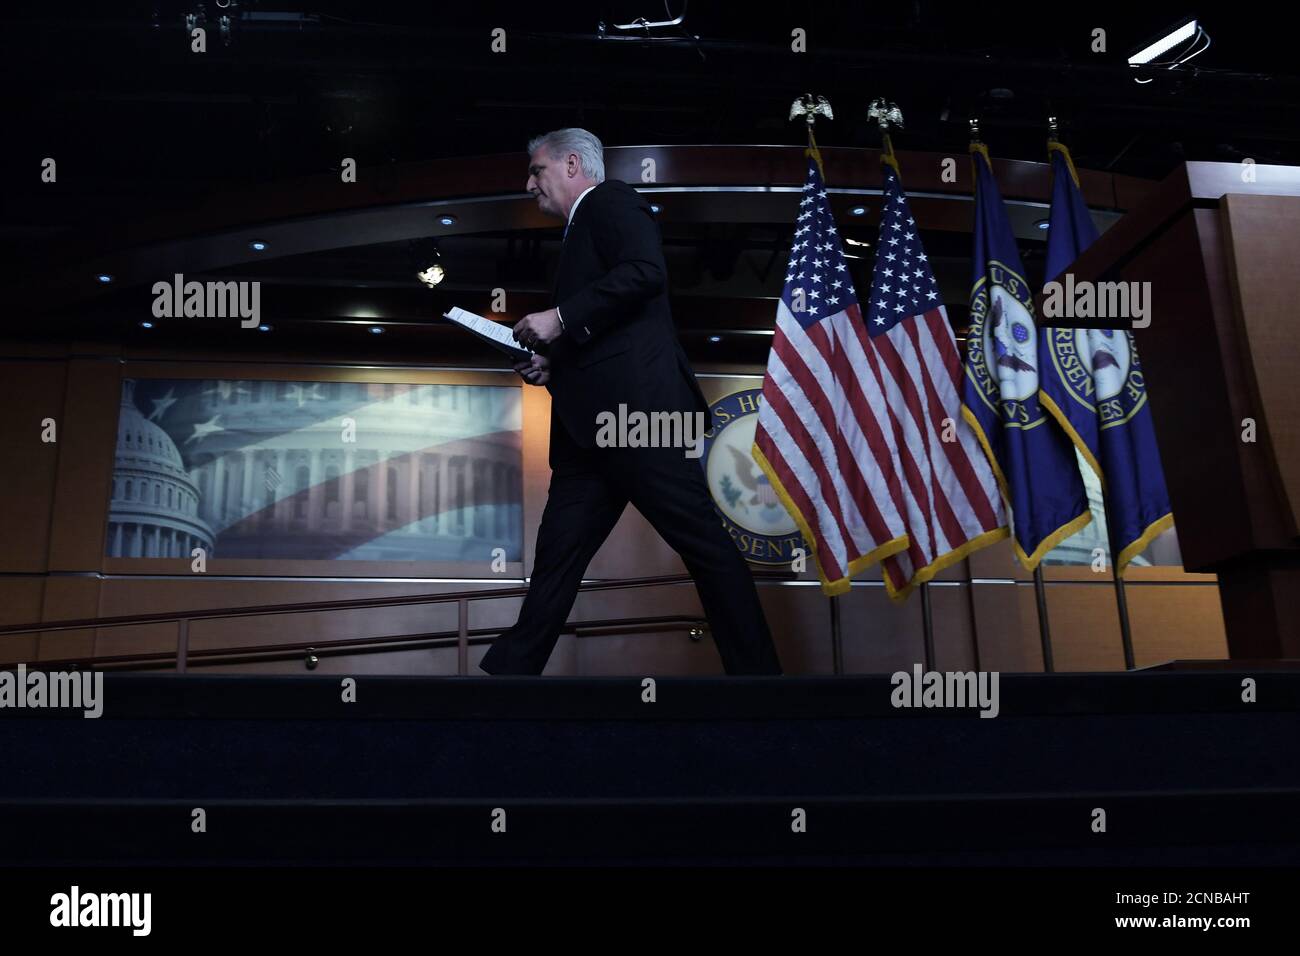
[837, 639]
[1044, 629]
[810, 107]
[1040, 585]
[927, 626]
[1121, 596]
[1121, 601]
[886, 115]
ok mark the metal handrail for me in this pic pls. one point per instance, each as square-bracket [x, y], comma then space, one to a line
[303, 650]
[462, 599]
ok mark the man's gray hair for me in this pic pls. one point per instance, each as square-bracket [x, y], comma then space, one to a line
[561, 142]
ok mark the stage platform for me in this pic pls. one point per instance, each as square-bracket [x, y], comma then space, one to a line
[714, 771]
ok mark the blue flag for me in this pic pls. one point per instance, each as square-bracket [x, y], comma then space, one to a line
[1092, 382]
[1031, 455]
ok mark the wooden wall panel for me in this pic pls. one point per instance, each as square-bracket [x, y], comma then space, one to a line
[21, 600]
[1263, 239]
[1172, 622]
[30, 392]
[86, 451]
[878, 636]
[1085, 626]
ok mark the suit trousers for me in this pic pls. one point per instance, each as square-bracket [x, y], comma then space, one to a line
[589, 490]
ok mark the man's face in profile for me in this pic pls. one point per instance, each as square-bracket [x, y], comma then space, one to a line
[546, 178]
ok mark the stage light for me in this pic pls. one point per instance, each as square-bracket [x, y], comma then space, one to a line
[104, 278]
[715, 338]
[447, 220]
[1180, 34]
[376, 330]
[428, 259]
[257, 245]
[264, 328]
[655, 208]
[1043, 224]
[146, 324]
[858, 211]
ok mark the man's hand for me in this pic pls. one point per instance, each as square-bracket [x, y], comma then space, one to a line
[538, 328]
[536, 371]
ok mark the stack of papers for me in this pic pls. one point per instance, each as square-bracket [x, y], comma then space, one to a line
[494, 333]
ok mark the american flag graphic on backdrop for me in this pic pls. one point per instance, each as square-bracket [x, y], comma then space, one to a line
[317, 470]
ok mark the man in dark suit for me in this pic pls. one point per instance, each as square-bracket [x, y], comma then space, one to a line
[610, 341]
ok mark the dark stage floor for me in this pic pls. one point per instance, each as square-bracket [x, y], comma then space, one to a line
[422, 770]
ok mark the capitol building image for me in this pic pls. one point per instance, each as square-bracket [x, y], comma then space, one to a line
[340, 470]
[155, 507]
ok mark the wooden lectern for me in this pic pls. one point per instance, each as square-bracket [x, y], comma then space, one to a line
[1220, 245]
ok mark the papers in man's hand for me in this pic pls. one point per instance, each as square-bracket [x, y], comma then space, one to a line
[494, 333]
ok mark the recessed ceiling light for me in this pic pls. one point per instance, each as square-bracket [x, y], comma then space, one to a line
[859, 210]
[447, 219]
[257, 245]
[146, 324]
[104, 277]
[264, 328]
[1043, 224]
[655, 207]
[715, 338]
[376, 330]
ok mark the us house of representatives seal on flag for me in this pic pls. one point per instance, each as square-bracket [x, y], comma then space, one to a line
[745, 499]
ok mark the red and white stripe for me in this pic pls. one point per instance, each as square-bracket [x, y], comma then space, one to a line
[827, 433]
[953, 494]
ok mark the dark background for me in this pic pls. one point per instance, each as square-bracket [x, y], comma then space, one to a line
[141, 125]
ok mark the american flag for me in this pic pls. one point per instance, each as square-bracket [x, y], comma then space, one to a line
[855, 412]
[825, 431]
[951, 503]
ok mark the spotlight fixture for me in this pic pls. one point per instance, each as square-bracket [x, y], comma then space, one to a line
[104, 278]
[644, 30]
[264, 328]
[655, 208]
[376, 330]
[428, 262]
[858, 211]
[447, 220]
[715, 338]
[856, 242]
[1043, 224]
[257, 245]
[1173, 49]
[146, 324]
[432, 275]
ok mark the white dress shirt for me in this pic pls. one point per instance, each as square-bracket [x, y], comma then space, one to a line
[572, 210]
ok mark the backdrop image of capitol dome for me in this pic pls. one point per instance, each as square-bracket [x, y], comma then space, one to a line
[316, 470]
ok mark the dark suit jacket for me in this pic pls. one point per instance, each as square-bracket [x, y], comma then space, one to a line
[619, 344]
